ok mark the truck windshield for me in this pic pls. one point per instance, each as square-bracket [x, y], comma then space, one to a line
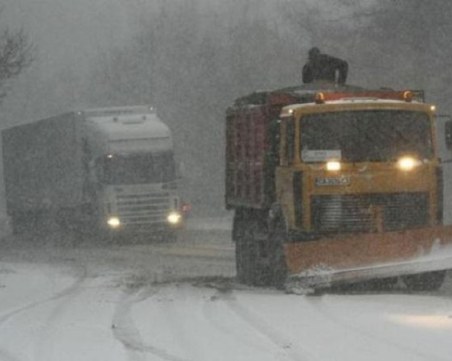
[369, 135]
[139, 168]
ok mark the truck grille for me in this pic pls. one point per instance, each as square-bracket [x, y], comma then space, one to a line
[352, 213]
[148, 208]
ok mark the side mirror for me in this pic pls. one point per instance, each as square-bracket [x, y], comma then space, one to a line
[448, 134]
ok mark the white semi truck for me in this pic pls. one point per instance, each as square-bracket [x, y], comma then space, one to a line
[107, 170]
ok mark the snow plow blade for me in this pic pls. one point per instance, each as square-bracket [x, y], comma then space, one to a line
[363, 257]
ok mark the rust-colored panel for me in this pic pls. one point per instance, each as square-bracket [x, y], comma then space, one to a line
[247, 146]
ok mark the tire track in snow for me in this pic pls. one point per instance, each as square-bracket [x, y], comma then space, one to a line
[4, 318]
[365, 333]
[65, 297]
[211, 313]
[61, 294]
[125, 331]
[292, 351]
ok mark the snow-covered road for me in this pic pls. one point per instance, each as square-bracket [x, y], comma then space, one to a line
[179, 302]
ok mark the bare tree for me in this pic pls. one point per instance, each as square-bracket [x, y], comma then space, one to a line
[16, 54]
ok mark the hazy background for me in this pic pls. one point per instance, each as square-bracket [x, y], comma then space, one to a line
[191, 58]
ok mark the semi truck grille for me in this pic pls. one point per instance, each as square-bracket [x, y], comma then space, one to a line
[146, 208]
[353, 213]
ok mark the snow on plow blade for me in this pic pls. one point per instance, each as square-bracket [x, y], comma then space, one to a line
[354, 258]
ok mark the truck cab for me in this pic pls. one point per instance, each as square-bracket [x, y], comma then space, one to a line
[132, 170]
[359, 165]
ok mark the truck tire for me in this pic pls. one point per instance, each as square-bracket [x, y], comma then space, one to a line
[237, 225]
[239, 259]
[238, 234]
[246, 253]
[260, 253]
[429, 281]
[250, 268]
[243, 253]
[242, 261]
[277, 236]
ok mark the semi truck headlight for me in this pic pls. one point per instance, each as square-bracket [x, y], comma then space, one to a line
[174, 218]
[407, 163]
[114, 222]
[333, 165]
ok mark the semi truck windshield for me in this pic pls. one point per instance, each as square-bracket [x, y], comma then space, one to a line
[370, 135]
[139, 168]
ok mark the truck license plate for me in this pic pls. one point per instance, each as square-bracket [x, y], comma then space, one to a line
[332, 181]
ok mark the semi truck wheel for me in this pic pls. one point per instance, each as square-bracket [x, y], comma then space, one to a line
[429, 281]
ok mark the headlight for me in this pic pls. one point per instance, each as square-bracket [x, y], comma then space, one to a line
[114, 222]
[333, 165]
[407, 163]
[174, 218]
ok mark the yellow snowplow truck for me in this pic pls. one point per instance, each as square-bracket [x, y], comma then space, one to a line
[337, 184]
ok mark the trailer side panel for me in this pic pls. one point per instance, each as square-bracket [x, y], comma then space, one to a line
[43, 164]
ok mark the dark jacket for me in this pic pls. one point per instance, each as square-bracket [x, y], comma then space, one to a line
[325, 67]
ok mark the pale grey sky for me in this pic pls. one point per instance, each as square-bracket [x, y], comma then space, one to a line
[71, 32]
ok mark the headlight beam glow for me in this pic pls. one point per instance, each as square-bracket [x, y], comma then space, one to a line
[407, 163]
[174, 218]
[333, 166]
[114, 222]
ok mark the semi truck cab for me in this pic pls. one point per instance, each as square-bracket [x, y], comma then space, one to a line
[132, 169]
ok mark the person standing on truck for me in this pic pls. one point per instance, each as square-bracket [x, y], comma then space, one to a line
[324, 67]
